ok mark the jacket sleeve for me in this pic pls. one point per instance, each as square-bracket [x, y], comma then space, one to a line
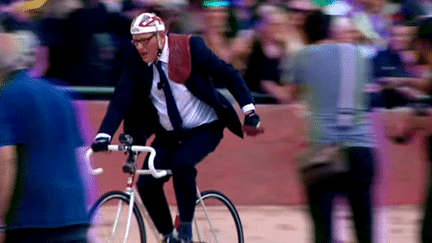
[210, 64]
[123, 96]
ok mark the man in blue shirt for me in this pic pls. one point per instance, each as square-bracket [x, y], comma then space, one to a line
[43, 197]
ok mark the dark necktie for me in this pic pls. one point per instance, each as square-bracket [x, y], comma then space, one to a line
[173, 112]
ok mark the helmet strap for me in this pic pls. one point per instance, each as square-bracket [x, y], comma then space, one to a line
[160, 47]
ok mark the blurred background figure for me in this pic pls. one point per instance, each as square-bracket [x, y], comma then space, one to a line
[393, 68]
[269, 49]
[412, 9]
[54, 31]
[343, 30]
[298, 10]
[43, 196]
[405, 34]
[85, 43]
[403, 123]
[330, 76]
[368, 15]
[216, 29]
[291, 38]
[244, 12]
[224, 33]
[14, 20]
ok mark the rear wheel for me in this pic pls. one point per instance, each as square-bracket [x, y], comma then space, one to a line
[218, 221]
[109, 219]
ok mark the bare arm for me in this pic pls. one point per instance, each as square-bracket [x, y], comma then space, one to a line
[402, 121]
[421, 84]
[8, 164]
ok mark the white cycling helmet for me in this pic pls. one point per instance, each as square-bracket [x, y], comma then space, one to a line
[147, 23]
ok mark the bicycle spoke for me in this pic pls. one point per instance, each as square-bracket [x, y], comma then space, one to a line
[110, 222]
[215, 222]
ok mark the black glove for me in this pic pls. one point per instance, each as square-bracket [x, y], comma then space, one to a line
[252, 120]
[100, 144]
[252, 124]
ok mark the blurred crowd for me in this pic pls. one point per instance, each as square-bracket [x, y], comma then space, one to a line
[277, 46]
[83, 41]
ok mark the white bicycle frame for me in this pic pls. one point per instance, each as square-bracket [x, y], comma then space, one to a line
[131, 190]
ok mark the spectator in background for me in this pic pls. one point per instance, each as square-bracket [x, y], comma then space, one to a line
[406, 32]
[172, 13]
[367, 15]
[244, 12]
[298, 10]
[391, 71]
[101, 43]
[331, 75]
[215, 29]
[15, 18]
[269, 49]
[412, 9]
[43, 197]
[342, 30]
[57, 39]
[219, 34]
[401, 124]
[85, 44]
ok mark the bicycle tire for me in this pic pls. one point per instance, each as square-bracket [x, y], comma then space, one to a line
[220, 219]
[121, 197]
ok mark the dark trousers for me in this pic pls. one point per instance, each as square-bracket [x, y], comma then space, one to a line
[68, 234]
[181, 155]
[356, 185]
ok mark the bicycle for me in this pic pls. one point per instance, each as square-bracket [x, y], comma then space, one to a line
[220, 223]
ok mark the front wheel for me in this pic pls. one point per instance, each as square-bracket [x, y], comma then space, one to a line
[216, 221]
[109, 220]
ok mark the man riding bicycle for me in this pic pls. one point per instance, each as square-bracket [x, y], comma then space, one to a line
[167, 89]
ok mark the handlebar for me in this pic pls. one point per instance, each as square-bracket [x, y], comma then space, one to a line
[152, 170]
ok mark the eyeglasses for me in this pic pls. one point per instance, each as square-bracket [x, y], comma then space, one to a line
[143, 42]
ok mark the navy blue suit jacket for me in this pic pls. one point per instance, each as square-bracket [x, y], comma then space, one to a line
[132, 104]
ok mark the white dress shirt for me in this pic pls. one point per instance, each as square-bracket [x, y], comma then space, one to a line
[193, 111]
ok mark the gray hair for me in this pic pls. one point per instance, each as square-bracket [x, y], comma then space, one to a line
[18, 50]
[26, 44]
